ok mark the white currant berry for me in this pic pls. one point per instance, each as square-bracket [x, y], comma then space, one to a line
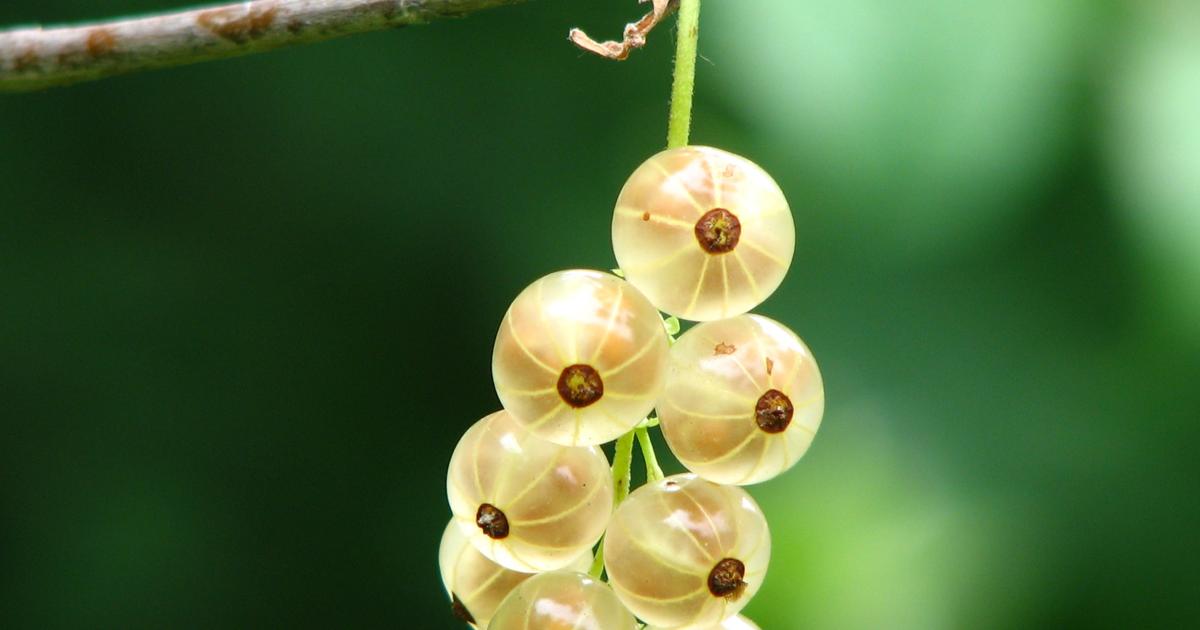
[580, 358]
[562, 600]
[684, 551]
[476, 585]
[525, 503]
[737, 622]
[704, 233]
[743, 400]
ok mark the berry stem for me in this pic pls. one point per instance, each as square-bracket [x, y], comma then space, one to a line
[622, 465]
[680, 121]
[653, 470]
[597, 569]
[678, 129]
[622, 472]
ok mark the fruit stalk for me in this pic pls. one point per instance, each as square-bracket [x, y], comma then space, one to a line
[680, 120]
[653, 470]
[622, 472]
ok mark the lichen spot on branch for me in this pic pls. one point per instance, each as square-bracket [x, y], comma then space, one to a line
[100, 42]
[26, 60]
[237, 24]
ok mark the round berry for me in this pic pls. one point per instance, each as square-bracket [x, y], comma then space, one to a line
[743, 400]
[580, 357]
[562, 600]
[737, 622]
[704, 233]
[476, 585]
[525, 503]
[683, 551]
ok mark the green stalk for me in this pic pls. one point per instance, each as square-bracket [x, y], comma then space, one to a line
[678, 128]
[680, 121]
[653, 470]
[622, 473]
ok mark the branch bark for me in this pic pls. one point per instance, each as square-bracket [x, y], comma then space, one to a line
[37, 58]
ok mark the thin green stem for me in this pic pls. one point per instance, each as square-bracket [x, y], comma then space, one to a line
[622, 463]
[680, 121]
[678, 129]
[653, 470]
[621, 473]
[597, 569]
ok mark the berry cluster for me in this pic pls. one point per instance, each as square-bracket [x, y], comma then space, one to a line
[583, 358]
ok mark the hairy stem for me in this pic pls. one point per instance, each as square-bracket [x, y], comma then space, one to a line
[37, 58]
[680, 121]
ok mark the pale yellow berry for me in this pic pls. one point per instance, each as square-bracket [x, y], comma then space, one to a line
[580, 357]
[704, 233]
[736, 622]
[476, 585]
[743, 400]
[525, 503]
[683, 551]
[562, 600]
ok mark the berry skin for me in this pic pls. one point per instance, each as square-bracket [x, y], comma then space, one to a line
[737, 622]
[704, 233]
[525, 503]
[562, 600]
[683, 551]
[580, 358]
[743, 400]
[476, 585]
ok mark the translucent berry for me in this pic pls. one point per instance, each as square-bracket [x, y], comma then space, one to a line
[683, 551]
[704, 233]
[737, 622]
[562, 600]
[743, 400]
[580, 357]
[476, 585]
[525, 503]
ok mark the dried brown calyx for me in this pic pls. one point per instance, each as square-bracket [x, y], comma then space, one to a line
[725, 579]
[459, 610]
[580, 385]
[773, 412]
[718, 231]
[492, 521]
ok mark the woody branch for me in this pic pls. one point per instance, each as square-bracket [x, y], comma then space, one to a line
[38, 58]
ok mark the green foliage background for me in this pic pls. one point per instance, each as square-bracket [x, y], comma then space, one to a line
[247, 307]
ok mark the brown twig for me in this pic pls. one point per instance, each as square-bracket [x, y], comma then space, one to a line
[634, 36]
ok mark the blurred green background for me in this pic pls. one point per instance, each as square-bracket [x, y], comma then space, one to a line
[247, 307]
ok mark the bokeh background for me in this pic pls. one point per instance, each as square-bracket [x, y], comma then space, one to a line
[247, 307]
